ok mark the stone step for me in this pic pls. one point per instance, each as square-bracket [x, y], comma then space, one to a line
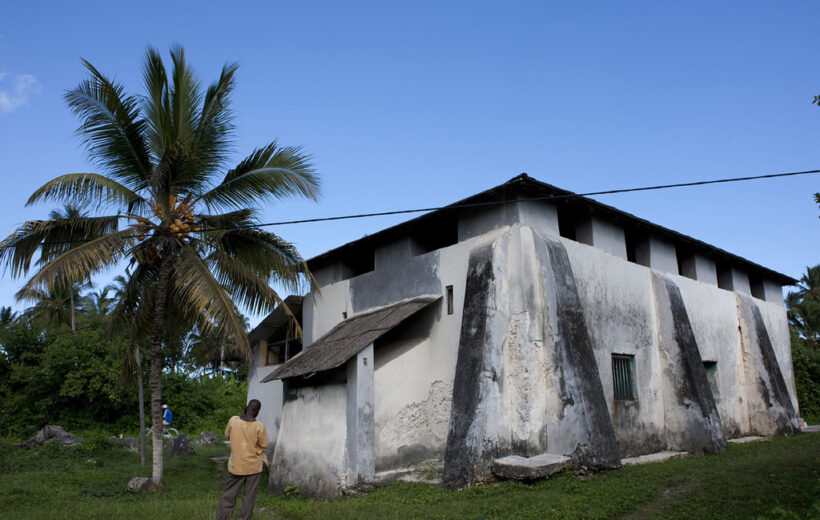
[653, 457]
[744, 440]
[516, 467]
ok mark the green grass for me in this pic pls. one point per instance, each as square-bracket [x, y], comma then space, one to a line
[778, 479]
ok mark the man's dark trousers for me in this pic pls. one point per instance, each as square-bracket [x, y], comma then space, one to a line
[228, 500]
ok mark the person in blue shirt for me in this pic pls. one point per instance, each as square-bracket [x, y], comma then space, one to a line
[167, 416]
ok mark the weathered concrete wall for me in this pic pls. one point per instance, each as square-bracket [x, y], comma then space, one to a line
[361, 467]
[412, 407]
[603, 235]
[658, 255]
[777, 325]
[734, 280]
[398, 276]
[691, 418]
[619, 306]
[511, 337]
[524, 364]
[713, 316]
[270, 395]
[415, 367]
[773, 292]
[310, 451]
[769, 400]
[322, 311]
[577, 372]
[700, 268]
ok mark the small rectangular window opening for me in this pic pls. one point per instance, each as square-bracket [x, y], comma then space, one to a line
[712, 376]
[623, 376]
[449, 299]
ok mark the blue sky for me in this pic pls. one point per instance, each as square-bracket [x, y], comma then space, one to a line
[421, 104]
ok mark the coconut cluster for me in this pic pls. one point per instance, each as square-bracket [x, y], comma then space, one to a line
[184, 223]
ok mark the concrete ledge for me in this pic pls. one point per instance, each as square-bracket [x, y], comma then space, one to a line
[744, 440]
[428, 471]
[515, 467]
[653, 457]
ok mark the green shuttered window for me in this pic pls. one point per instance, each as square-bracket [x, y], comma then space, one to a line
[623, 376]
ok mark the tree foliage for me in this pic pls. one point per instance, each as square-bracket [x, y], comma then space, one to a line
[54, 376]
[804, 322]
[171, 206]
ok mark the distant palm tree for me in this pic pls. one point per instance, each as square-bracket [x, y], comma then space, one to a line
[99, 302]
[54, 237]
[187, 226]
[7, 316]
[804, 304]
[54, 305]
[211, 352]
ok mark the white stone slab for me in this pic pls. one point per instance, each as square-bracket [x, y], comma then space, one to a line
[744, 440]
[653, 457]
[516, 467]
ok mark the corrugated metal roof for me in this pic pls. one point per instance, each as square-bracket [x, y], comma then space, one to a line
[349, 337]
[277, 319]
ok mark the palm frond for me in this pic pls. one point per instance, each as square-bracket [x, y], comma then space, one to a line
[50, 238]
[111, 128]
[201, 292]
[215, 131]
[87, 189]
[247, 286]
[266, 254]
[83, 260]
[271, 172]
[155, 103]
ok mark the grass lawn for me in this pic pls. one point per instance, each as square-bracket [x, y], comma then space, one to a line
[777, 479]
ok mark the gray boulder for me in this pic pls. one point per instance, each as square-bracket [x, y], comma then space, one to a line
[49, 432]
[515, 467]
[180, 445]
[129, 443]
[139, 484]
[206, 439]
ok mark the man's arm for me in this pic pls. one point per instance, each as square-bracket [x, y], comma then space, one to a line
[228, 430]
[262, 441]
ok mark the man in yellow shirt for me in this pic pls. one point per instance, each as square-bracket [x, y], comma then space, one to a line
[248, 442]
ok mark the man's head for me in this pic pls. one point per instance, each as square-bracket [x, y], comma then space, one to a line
[165, 407]
[253, 408]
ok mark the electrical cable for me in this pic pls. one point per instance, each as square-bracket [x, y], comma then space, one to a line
[478, 204]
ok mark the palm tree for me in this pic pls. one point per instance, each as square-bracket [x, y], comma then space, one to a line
[7, 316]
[210, 352]
[54, 305]
[804, 304]
[54, 237]
[186, 224]
[99, 302]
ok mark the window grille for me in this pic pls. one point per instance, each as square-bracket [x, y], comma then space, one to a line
[623, 376]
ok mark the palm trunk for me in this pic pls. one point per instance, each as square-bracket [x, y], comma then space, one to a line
[156, 367]
[71, 296]
[142, 408]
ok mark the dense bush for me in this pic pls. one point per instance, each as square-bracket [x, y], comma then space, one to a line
[77, 380]
[806, 361]
[204, 403]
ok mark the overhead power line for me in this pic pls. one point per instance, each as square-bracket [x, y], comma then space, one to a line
[484, 204]
[533, 199]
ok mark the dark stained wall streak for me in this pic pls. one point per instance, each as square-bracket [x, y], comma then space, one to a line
[776, 387]
[577, 359]
[705, 434]
[461, 455]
